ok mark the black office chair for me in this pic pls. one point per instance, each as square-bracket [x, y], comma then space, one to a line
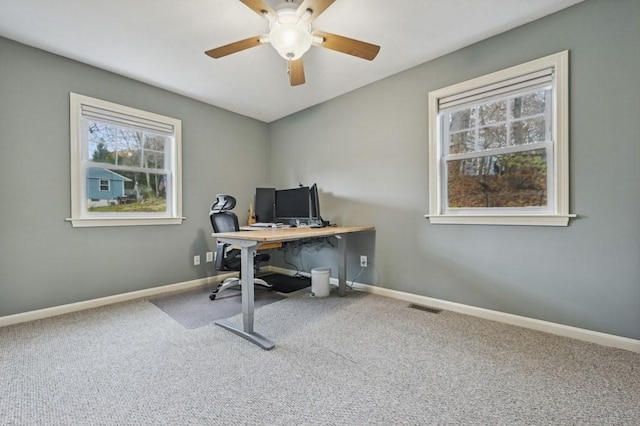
[223, 220]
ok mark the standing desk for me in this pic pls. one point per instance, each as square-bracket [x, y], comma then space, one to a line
[248, 241]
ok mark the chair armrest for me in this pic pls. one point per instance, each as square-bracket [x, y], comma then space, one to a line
[219, 256]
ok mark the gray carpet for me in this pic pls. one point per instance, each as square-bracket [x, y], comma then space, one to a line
[193, 308]
[357, 360]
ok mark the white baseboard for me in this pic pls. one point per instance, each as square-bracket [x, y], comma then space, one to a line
[520, 321]
[596, 337]
[108, 300]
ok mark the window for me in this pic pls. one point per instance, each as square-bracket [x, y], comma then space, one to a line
[125, 165]
[104, 185]
[498, 147]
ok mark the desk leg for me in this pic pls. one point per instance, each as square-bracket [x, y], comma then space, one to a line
[342, 265]
[247, 253]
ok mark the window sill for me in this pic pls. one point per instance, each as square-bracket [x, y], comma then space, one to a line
[97, 222]
[519, 220]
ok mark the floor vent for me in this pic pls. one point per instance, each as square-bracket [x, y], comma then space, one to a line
[425, 308]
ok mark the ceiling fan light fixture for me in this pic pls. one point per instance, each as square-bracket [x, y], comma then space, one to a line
[289, 35]
[290, 40]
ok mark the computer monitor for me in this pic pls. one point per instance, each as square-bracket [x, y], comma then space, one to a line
[265, 205]
[293, 204]
[315, 203]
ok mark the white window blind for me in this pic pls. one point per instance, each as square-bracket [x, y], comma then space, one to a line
[521, 83]
[127, 120]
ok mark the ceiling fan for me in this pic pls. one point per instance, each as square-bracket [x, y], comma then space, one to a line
[291, 34]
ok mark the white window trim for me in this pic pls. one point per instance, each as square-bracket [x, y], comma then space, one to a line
[560, 175]
[79, 215]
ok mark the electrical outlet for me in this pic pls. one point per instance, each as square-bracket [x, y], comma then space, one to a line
[363, 261]
[209, 256]
[196, 260]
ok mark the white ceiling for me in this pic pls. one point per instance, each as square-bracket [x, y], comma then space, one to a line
[162, 42]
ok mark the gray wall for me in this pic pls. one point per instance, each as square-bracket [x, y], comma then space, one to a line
[368, 152]
[43, 260]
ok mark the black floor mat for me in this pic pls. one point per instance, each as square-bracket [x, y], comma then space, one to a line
[285, 283]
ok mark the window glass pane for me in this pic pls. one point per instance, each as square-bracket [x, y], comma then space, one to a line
[127, 191]
[155, 142]
[462, 142]
[130, 148]
[153, 160]
[129, 158]
[492, 137]
[102, 141]
[528, 131]
[461, 120]
[509, 180]
[494, 112]
[530, 104]
[154, 149]
[488, 138]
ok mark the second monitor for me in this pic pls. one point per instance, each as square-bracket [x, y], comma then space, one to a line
[293, 204]
[265, 205]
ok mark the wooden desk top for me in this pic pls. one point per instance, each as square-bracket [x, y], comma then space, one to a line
[290, 234]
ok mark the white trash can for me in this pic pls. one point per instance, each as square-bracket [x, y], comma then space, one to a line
[320, 282]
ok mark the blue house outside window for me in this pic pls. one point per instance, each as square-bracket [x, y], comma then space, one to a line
[104, 184]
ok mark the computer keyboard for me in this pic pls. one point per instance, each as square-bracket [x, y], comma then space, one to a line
[265, 225]
[260, 225]
[280, 225]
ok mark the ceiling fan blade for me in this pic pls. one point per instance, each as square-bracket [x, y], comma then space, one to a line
[237, 46]
[261, 8]
[295, 69]
[347, 45]
[315, 6]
